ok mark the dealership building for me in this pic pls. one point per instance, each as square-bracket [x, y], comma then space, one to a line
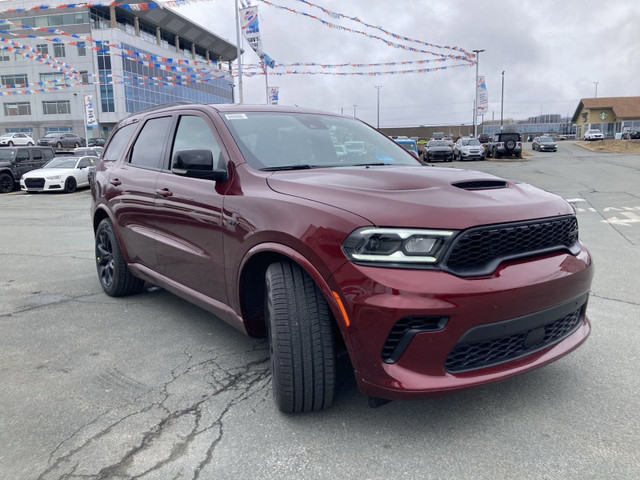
[59, 66]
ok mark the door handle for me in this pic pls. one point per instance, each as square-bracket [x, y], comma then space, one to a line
[115, 182]
[165, 192]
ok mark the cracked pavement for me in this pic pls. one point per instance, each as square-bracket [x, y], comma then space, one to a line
[152, 387]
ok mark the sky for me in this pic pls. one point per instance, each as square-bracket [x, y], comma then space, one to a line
[552, 54]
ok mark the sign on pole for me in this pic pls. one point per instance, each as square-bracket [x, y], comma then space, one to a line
[273, 95]
[90, 119]
[483, 97]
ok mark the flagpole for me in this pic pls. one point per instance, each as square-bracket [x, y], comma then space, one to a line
[239, 52]
[266, 81]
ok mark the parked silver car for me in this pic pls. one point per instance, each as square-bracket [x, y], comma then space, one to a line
[468, 148]
[63, 140]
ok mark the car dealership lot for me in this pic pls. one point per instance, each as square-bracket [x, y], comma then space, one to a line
[153, 387]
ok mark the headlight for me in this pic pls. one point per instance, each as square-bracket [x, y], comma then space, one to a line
[55, 177]
[396, 245]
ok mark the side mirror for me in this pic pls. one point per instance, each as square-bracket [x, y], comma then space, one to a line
[196, 163]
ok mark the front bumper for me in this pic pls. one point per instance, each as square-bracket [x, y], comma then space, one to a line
[40, 184]
[519, 299]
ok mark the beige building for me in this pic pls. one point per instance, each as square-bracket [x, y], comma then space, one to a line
[610, 114]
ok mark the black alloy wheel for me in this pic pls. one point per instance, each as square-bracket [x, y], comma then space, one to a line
[70, 185]
[6, 183]
[301, 340]
[114, 275]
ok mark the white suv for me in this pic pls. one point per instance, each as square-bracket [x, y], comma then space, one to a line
[593, 134]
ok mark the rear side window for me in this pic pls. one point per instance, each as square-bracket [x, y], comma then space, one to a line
[148, 149]
[119, 142]
[47, 154]
[36, 153]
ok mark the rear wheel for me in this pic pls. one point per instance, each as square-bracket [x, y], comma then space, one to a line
[114, 275]
[301, 340]
[76, 145]
[59, 144]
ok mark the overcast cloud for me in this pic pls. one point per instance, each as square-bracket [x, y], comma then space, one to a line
[551, 51]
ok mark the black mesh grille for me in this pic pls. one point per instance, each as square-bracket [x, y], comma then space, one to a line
[34, 182]
[472, 356]
[479, 250]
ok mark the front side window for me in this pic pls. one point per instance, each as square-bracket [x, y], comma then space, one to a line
[194, 132]
[148, 149]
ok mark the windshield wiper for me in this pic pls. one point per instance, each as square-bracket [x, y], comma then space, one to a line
[372, 164]
[287, 167]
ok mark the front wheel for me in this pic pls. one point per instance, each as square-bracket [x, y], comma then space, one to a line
[301, 340]
[59, 144]
[10, 143]
[76, 145]
[6, 183]
[114, 275]
[70, 185]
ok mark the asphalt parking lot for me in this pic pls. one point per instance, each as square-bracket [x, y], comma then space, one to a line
[152, 387]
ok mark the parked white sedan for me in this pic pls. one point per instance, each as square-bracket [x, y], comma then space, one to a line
[60, 174]
[11, 139]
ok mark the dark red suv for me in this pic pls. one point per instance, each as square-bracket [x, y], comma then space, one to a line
[430, 279]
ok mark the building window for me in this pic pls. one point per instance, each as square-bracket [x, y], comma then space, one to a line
[52, 77]
[4, 56]
[43, 48]
[82, 49]
[107, 101]
[85, 77]
[57, 129]
[12, 80]
[56, 107]
[58, 50]
[28, 131]
[17, 108]
[19, 56]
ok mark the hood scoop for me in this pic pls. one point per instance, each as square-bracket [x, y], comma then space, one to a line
[480, 184]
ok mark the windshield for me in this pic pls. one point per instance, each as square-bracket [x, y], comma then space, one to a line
[546, 140]
[471, 142]
[7, 153]
[438, 143]
[62, 162]
[281, 141]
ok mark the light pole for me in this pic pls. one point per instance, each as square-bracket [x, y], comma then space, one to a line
[238, 52]
[354, 110]
[596, 84]
[378, 87]
[475, 105]
[502, 101]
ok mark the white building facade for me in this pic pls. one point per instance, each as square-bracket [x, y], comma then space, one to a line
[122, 58]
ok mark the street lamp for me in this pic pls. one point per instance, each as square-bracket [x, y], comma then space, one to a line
[596, 83]
[475, 107]
[354, 110]
[378, 87]
[502, 101]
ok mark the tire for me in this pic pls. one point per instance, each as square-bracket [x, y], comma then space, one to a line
[70, 185]
[114, 275]
[10, 144]
[76, 145]
[59, 145]
[510, 145]
[301, 340]
[30, 144]
[6, 183]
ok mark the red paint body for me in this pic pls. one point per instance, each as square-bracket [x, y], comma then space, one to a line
[195, 237]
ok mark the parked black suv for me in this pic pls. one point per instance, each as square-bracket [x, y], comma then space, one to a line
[16, 161]
[505, 144]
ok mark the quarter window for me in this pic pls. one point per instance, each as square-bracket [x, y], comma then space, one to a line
[149, 146]
[118, 143]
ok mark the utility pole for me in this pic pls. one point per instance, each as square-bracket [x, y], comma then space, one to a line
[378, 87]
[502, 102]
[475, 105]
